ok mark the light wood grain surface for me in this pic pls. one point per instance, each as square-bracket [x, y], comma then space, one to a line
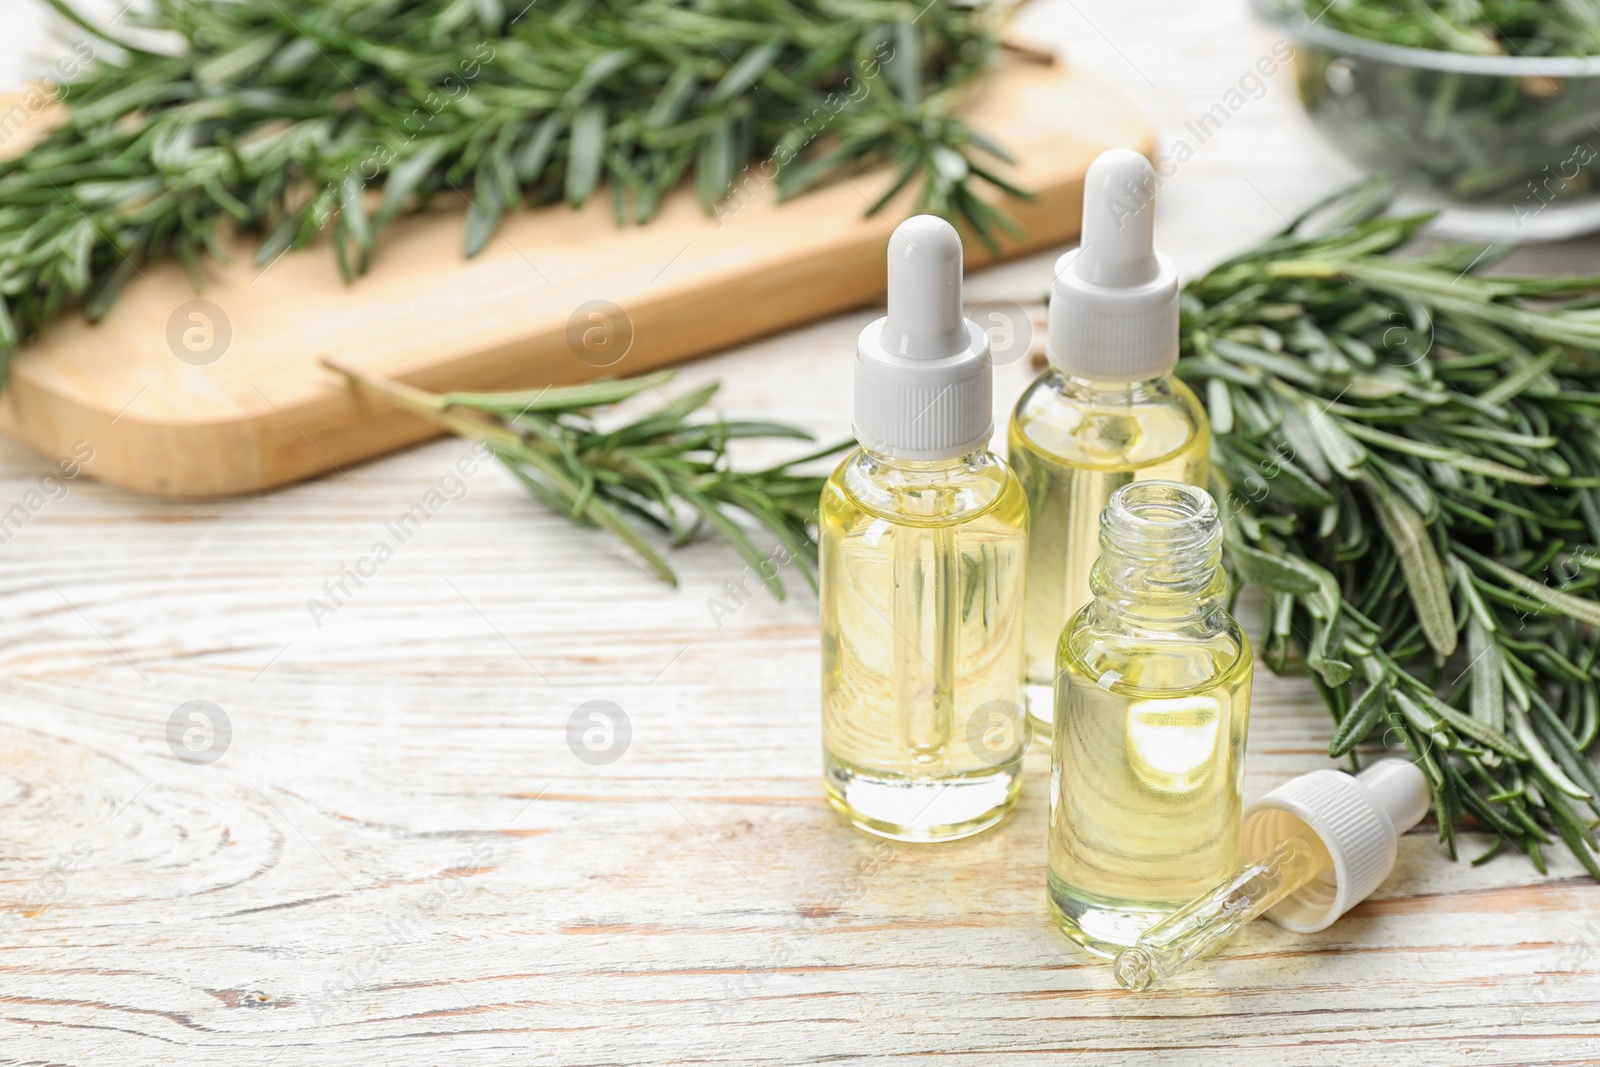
[400, 860]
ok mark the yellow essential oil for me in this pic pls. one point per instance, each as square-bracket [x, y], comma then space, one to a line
[1108, 412]
[922, 643]
[923, 541]
[1152, 706]
[1074, 443]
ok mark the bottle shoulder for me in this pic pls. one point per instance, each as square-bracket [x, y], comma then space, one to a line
[1117, 426]
[982, 488]
[1154, 661]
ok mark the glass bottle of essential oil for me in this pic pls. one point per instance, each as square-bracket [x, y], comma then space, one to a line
[1108, 411]
[1152, 705]
[923, 538]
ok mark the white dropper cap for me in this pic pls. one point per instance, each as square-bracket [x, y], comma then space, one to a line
[923, 372]
[1358, 819]
[1114, 304]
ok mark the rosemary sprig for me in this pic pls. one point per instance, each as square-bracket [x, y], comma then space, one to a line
[287, 117]
[663, 470]
[1409, 454]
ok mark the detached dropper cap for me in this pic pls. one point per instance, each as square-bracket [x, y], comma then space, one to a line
[923, 372]
[1114, 303]
[1359, 820]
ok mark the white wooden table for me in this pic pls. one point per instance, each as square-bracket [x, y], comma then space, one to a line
[399, 859]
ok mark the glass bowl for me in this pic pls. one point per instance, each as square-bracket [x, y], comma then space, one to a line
[1506, 147]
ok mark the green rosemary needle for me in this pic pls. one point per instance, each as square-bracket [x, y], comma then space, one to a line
[663, 470]
[1408, 453]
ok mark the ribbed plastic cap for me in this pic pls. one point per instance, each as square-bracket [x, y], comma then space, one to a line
[923, 372]
[1359, 820]
[1114, 303]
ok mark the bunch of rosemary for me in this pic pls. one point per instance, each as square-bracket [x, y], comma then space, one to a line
[1408, 453]
[279, 115]
[662, 470]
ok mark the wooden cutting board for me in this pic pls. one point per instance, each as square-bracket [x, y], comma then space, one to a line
[184, 398]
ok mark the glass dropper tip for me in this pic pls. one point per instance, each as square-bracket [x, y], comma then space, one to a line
[1134, 968]
[1210, 919]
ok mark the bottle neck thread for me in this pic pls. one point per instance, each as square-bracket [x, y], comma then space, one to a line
[1117, 391]
[1160, 554]
[889, 463]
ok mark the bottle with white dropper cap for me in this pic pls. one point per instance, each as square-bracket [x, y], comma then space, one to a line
[1107, 411]
[923, 537]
